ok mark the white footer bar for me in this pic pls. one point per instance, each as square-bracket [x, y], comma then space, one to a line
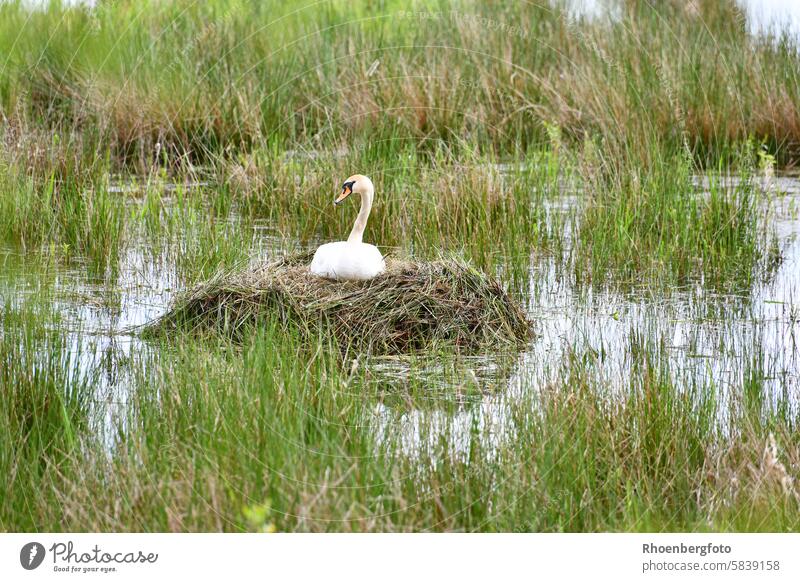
[378, 556]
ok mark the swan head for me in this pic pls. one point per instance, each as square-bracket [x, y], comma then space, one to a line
[356, 183]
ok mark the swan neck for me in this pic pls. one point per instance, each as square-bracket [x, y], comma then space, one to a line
[357, 234]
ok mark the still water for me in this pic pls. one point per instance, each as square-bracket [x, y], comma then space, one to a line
[710, 339]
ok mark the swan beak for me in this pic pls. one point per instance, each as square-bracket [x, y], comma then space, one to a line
[346, 191]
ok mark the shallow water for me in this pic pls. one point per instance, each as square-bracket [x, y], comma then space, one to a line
[708, 338]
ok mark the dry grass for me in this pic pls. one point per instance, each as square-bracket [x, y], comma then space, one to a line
[222, 76]
[412, 306]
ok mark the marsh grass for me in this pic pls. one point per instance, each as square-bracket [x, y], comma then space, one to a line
[199, 78]
[277, 434]
[44, 411]
[622, 109]
[473, 133]
[50, 198]
[658, 224]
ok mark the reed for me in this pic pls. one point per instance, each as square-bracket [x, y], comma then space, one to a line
[276, 434]
[194, 79]
[569, 162]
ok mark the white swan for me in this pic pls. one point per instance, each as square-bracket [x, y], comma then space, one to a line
[351, 260]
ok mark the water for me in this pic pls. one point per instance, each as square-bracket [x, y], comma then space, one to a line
[710, 339]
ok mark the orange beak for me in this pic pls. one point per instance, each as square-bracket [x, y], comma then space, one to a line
[346, 191]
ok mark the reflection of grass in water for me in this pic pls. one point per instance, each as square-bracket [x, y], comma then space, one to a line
[631, 224]
[211, 429]
[44, 413]
[72, 210]
[192, 228]
[442, 380]
[643, 219]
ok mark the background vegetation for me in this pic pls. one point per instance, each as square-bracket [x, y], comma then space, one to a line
[620, 163]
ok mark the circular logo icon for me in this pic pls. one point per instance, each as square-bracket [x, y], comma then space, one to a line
[31, 555]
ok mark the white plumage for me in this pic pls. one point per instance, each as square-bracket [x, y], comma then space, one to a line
[351, 260]
[346, 261]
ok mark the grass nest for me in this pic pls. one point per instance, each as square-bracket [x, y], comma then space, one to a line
[410, 307]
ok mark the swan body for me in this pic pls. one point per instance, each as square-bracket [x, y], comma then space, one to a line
[351, 260]
[347, 261]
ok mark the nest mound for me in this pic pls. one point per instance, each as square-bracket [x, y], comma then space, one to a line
[411, 306]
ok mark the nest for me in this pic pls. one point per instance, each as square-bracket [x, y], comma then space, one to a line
[411, 306]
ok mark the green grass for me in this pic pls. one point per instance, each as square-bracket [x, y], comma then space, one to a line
[624, 110]
[566, 145]
[201, 77]
[50, 202]
[658, 225]
[278, 423]
[424, 202]
[43, 412]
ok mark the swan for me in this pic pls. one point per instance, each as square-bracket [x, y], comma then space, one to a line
[351, 260]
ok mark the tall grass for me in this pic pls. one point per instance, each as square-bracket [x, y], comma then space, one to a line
[201, 77]
[424, 202]
[278, 435]
[500, 131]
[660, 224]
[49, 194]
[44, 413]
[282, 103]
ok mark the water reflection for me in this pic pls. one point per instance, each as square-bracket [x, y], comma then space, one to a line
[707, 339]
